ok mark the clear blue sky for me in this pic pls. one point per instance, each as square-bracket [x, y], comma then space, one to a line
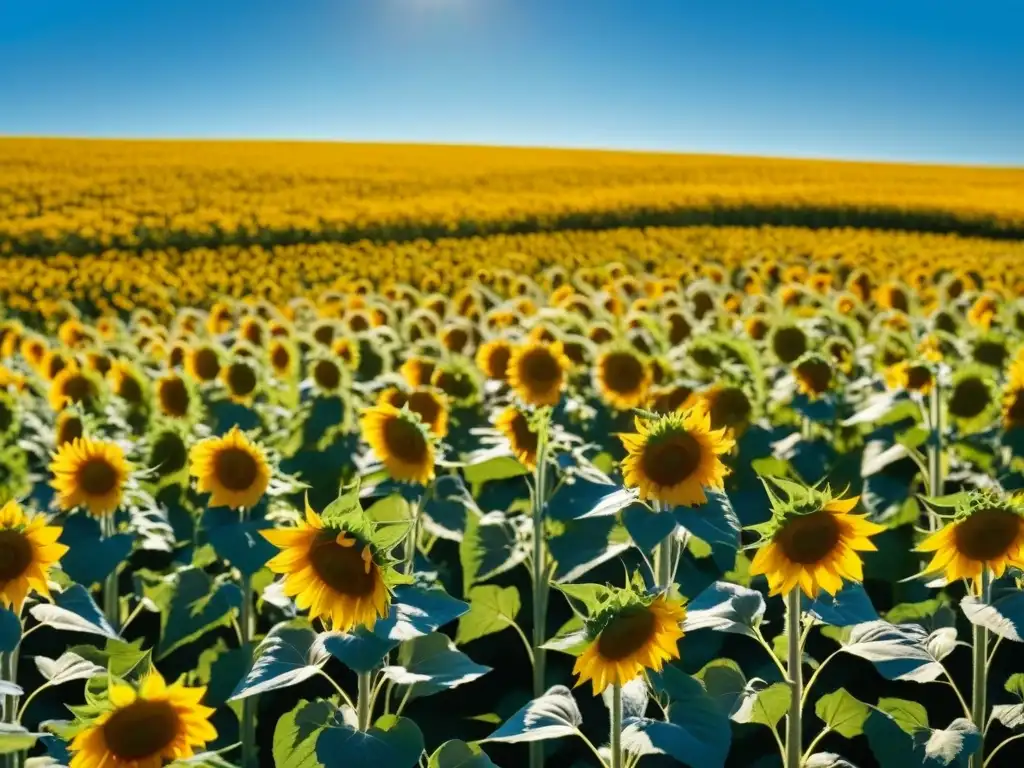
[887, 79]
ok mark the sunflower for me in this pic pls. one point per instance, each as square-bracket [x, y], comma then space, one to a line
[145, 728]
[812, 542]
[33, 350]
[168, 454]
[814, 375]
[788, 342]
[70, 427]
[629, 634]
[492, 358]
[986, 532]
[241, 381]
[203, 362]
[282, 357]
[729, 406]
[1013, 405]
[622, 377]
[347, 349]
[431, 407]
[537, 372]
[417, 370]
[126, 383]
[972, 398]
[522, 439]
[458, 380]
[28, 549]
[333, 570]
[328, 374]
[91, 474]
[983, 311]
[173, 396]
[73, 385]
[911, 376]
[400, 439]
[232, 469]
[675, 457]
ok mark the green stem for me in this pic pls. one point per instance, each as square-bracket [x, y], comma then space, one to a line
[664, 556]
[539, 573]
[794, 670]
[814, 676]
[1003, 744]
[979, 705]
[111, 607]
[616, 734]
[409, 551]
[363, 703]
[936, 482]
[247, 627]
[814, 743]
[9, 672]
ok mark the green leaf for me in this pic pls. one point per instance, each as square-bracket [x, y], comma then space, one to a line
[120, 658]
[908, 715]
[73, 610]
[395, 742]
[491, 609]
[490, 545]
[767, 704]
[196, 604]
[459, 754]
[339, 512]
[498, 468]
[14, 738]
[297, 731]
[584, 598]
[571, 638]
[290, 654]
[552, 716]
[433, 664]
[69, 666]
[391, 516]
[842, 713]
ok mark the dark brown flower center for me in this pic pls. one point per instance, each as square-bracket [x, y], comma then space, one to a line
[622, 372]
[987, 533]
[918, 377]
[142, 729]
[78, 388]
[280, 357]
[358, 322]
[253, 333]
[455, 384]
[55, 366]
[1015, 411]
[70, 429]
[176, 357]
[679, 329]
[497, 362]
[898, 299]
[789, 343]
[538, 369]
[324, 334]
[129, 390]
[174, 397]
[627, 633]
[169, 454]
[97, 477]
[671, 399]
[599, 334]
[807, 539]
[524, 439]
[970, 397]
[405, 441]
[16, 554]
[671, 459]
[993, 353]
[342, 568]
[816, 375]
[241, 379]
[327, 375]
[702, 304]
[426, 406]
[236, 468]
[207, 366]
[456, 339]
[6, 417]
[730, 407]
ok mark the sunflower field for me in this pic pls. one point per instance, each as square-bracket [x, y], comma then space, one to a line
[524, 472]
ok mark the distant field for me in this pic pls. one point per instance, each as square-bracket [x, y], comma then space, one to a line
[85, 196]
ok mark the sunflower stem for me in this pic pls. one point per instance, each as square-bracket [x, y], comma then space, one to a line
[247, 626]
[409, 551]
[664, 557]
[9, 672]
[111, 607]
[616, 734]
[979, 706]
[794, 669]
[363, 703]
[935, 479]
[538, 566]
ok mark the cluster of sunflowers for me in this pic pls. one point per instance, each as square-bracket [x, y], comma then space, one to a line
[88, 196]
[161, 472]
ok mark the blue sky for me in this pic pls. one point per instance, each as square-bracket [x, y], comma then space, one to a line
[902, 79]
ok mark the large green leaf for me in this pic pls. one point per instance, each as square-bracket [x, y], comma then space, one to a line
[842, 713]
[491, 609]
[552, 716]
[297, 731]
[392, 742]
[459, 754]
[290, 654]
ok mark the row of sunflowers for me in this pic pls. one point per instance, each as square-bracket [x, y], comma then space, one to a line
[764, 512]
[87, 196]
[746, 261]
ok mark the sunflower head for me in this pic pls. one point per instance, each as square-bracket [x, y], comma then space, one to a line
[991, 349]
[986, 531]
[168, 453]
[912, 376]
[729, 405]
[622, 377]
[984, 311]
[674, 458]
[127, 383]
[144, 726]
[174, 396]
[537, 372]
[458, 380]
[628, 631]
[492, 358]
[70, 426]
[73, 386]
[522, 435]
[241, 379]
[328, 374]
[338, 564]
[232, 469]
[91, 474]
[814, 375]
[811, 540]
[28, 550]
[283, 358]
[971, 399]
[402, 442]
[788, 342]
[203, 362]
[346, 348]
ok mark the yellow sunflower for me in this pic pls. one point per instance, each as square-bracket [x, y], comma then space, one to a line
[72, 385]
[173, 396]
[631, 635]
[69, 427]
[986, 532]
[91, 474]
[537, 372]
[126, 383]
[623, 378]
[28, 549]
[913, 377]
[331, 571]
[814, 375]
[282, 357]
[203, 362]
[417, 370]
[241, 381]
[522, 439]
[492, 358]
[401, 441]
[145, 728]
[675, 457]
[232, 469]
[431, 407]
[812, 542]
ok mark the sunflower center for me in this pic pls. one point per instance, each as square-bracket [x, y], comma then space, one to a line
[730, 407]
[525, 439]
[679, 330]
[540, 369]
[142, 729]
[627, 633]
[807, 539]
[404, 440]
[987, 534]
[455, 384]
[130, 390]
[77, 388]
[622, 372]
[789, 343]
[174, 397]
[426, 405]
[993, 353]
[672, 459]
[816, 375]
[236, 469]
[97, 477]
[341, 568]
[280, 358]
[327, 375]
[970, 398]
[70, 429]
[918, 377]
[206, 364]
[15, 554]
[169, 454]
[497, 362]
[1015, 411]
[241, 379]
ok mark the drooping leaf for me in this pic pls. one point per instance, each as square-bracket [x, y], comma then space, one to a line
[1003, 615]
[14, 738]
[73, 610]
[716, 523]
[850, 606]
[953, 744]
[289, 654]
[552, 716]
[725, 607]
[67, 667]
